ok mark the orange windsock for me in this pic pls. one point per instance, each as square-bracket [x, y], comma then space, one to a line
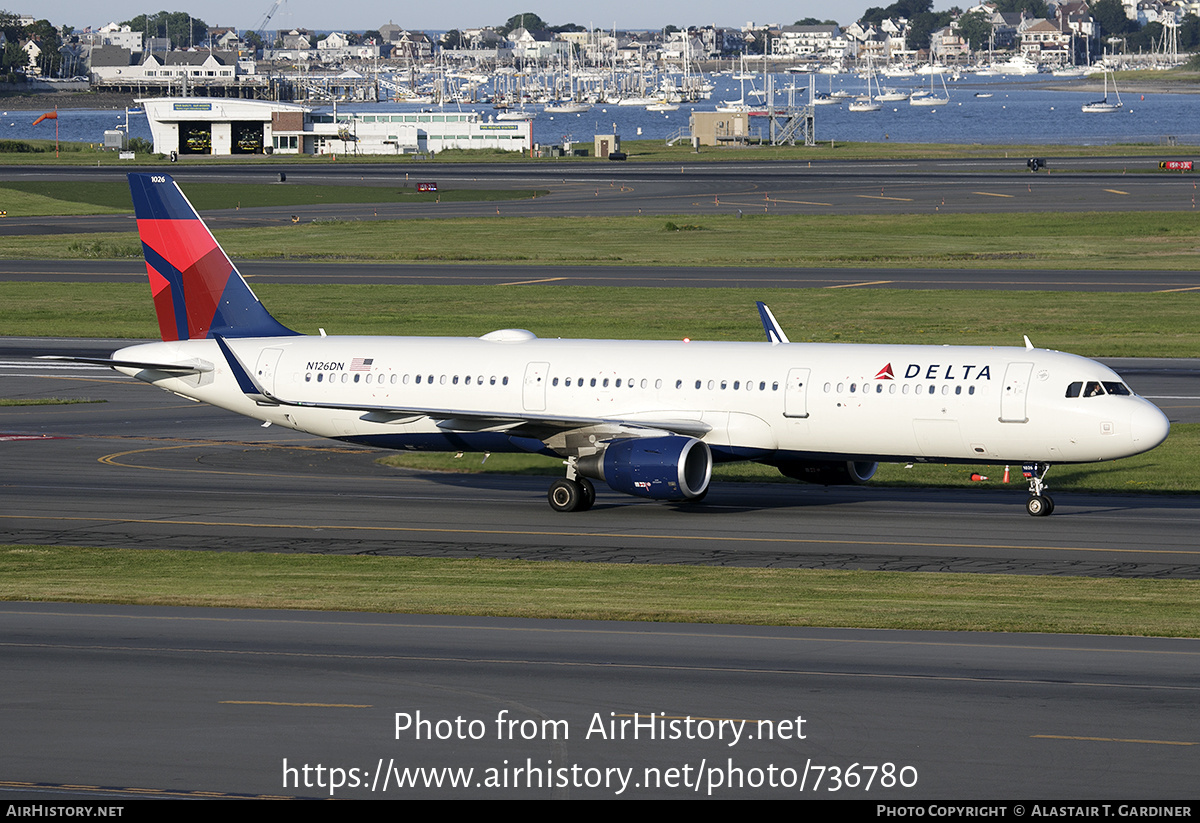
[50, 115]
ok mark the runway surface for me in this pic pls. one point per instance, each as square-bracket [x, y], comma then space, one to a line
[148, 469]
[453, 274]
[583, 190]
[115, 701]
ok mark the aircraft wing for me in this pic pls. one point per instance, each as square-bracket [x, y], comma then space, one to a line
[532, 425]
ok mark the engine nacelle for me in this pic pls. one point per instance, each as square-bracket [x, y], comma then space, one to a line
[660, 468]
[828, 472]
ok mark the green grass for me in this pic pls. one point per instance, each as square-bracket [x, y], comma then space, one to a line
[22, 199]
[1171, 468]
[46, 401]
[599, 591]
[1108, 240]
[1096, 324]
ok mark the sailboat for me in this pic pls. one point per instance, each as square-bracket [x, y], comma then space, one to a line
[929, 99]
[1103, 106]
[867, 102]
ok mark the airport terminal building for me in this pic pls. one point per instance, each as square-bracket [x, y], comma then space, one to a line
[224, 126]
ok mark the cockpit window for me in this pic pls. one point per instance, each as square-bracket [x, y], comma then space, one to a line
[1093, 389]
[1074, 389]
[1117, 388]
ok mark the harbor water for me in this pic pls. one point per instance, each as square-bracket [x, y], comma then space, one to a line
[1020, 110]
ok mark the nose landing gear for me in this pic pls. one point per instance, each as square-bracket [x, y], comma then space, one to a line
[1039, 503]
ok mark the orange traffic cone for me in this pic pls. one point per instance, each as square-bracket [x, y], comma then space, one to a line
[1005, 480]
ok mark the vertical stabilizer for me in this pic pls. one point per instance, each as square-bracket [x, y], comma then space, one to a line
[197, 290]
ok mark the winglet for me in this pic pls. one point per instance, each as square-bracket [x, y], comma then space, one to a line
[244, 380]
[198, 292]
[771, 325]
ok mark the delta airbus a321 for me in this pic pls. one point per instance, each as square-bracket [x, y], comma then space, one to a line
[649, 418]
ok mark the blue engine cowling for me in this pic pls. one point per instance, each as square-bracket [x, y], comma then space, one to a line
[660, 468]
[827, 472]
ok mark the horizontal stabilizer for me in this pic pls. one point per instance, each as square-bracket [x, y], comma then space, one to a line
[195, 367]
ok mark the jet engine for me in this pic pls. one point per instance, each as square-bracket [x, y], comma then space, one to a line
[828, 472]
[660, 468]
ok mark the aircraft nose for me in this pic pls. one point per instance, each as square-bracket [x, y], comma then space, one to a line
[1149, 426]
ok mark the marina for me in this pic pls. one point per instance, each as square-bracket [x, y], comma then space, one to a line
[982, 110]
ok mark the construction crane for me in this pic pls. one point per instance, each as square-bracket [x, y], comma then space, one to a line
[260, 30]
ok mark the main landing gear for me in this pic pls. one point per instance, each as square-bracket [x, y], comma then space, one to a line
[1039, 503]
[573, 493]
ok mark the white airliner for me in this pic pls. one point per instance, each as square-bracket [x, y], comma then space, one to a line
[649, 418]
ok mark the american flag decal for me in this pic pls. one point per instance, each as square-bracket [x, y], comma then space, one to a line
[361, 363]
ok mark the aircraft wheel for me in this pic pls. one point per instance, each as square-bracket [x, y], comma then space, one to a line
[589, 494]
[566, 496]
[1039, 506]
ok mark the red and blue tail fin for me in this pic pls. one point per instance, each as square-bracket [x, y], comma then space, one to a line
[197, 290]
